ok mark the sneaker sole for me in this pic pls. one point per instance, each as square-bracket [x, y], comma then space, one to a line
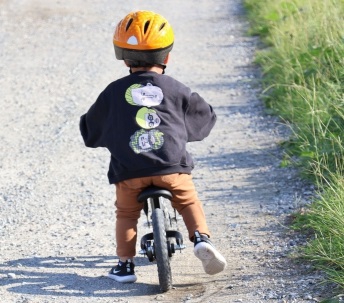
[123, 279]
[213, 262]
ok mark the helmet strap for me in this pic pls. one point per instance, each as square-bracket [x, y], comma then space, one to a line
[163, 68]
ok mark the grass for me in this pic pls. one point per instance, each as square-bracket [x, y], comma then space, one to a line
[303, 79]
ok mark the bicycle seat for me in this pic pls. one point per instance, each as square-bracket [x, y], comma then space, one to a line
[154, 192]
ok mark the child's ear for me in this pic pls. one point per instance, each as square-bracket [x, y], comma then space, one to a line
[167, 58]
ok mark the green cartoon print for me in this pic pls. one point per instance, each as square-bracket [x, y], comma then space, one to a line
[145, 141]
[147, 118]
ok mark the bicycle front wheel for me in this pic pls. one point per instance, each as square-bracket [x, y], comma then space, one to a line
[161, 250]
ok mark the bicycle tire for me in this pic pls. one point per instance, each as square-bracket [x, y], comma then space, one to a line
[161, 250]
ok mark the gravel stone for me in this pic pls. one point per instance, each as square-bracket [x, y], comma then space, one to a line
[56, 207]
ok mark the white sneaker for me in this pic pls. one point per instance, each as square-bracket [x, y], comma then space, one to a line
[213, 262]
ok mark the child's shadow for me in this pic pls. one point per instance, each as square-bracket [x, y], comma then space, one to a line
[56, 278]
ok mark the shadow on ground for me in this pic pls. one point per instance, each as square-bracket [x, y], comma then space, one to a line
[251, 167]
[18, 278]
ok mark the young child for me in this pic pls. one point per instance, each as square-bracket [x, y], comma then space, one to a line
[145, 120]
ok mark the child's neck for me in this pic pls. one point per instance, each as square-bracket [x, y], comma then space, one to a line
[155, 68]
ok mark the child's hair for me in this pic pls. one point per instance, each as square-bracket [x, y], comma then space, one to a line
[143, 39]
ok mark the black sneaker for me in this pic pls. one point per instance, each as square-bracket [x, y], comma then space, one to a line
[123, 272]
[213, 262]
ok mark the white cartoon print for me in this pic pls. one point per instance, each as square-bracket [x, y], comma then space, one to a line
[140, 95]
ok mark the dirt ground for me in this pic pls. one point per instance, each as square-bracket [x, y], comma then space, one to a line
[56, 207]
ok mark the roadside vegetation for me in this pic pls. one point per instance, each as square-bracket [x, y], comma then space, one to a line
[303, 77]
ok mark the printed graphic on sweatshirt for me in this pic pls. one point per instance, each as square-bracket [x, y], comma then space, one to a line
[141, 95]
[147, 118]
[145, 141]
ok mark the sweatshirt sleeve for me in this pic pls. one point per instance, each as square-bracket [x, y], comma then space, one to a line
[199, 118]
[93, 124]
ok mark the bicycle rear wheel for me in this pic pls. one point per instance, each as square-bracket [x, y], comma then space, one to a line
[161, 250]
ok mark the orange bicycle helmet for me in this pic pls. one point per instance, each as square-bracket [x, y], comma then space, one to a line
[143, 37]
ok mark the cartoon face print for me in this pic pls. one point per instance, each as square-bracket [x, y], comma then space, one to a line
[147, 118]
[140, 95]
[145, 141]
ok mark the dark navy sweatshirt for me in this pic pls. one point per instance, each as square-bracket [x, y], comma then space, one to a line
[145, 120]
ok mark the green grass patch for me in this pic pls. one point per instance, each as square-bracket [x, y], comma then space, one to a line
[326, 222]
[303, 79]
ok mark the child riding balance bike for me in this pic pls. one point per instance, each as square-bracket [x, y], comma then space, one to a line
[145, 120]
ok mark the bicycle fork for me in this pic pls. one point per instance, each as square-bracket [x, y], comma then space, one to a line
[154, 198]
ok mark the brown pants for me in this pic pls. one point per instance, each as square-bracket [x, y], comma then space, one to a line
[184, 200]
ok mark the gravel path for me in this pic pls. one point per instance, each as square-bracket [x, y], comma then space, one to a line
[56, 208]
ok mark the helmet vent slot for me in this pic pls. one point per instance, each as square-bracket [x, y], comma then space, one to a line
[146, 26]
[162, 26]
[129, 23]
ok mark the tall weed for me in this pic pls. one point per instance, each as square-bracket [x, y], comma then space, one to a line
[303, 72]
[325, 219]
